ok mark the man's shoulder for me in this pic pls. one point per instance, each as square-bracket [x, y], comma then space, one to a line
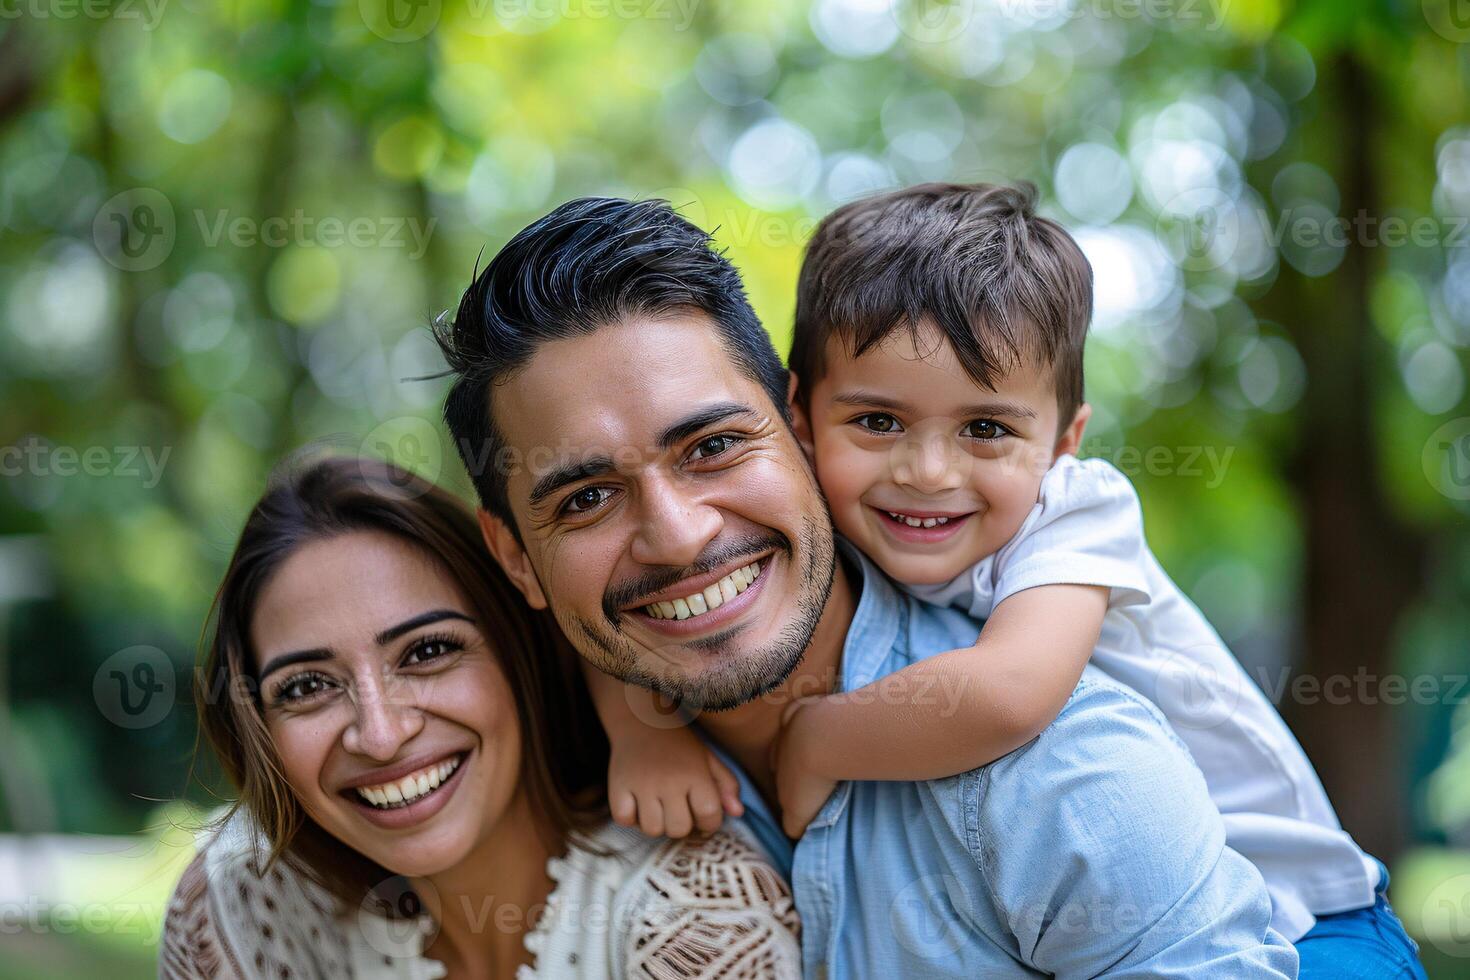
[1104, 725]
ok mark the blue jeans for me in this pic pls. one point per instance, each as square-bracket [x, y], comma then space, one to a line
[1365, 943]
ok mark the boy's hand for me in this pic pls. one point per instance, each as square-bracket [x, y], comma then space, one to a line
[800, 790]
[667, 783]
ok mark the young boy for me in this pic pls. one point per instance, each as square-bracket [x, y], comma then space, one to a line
[937, 388]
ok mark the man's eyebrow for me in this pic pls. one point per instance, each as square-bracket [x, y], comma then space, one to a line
[554, 479]
[703, 417]
[871, 399]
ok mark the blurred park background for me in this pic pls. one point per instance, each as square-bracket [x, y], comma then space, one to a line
[226, 226]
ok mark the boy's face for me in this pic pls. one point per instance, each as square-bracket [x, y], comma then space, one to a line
[903, 430]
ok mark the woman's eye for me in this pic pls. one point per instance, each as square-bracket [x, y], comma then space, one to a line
[985, 429]
[878, 422]
[585, 499]
[432, 649]
[713, 446]
[303, 687]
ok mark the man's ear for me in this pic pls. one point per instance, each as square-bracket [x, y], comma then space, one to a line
[1071, 438]
[501, 541]
[800, 424]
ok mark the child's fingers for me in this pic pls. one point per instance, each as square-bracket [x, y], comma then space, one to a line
[709, 812]
[678, 821]
[727, 785]
[623, 807]
[651, 817]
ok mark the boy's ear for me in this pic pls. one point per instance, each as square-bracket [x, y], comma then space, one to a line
[501, 541]
[1071, 438]
[800, 424]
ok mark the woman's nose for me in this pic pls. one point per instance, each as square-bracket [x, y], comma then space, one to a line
[387, 716]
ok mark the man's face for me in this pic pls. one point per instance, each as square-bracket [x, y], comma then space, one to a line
[668, 516]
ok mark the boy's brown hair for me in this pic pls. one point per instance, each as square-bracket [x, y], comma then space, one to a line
[1002, 284]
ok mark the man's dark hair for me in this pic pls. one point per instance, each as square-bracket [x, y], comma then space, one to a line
[1002, 284]
[589, 263]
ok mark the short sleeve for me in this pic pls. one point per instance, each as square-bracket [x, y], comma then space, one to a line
[712, 907]
[1086, 529]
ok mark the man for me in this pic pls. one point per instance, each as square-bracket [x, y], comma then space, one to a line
[624, 417]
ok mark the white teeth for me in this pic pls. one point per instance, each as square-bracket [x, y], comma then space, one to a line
[712, 597]
[403, 791]
[917, 521]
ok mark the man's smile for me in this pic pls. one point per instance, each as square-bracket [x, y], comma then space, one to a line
[704, 602]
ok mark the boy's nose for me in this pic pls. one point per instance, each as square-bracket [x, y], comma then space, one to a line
[928, 465]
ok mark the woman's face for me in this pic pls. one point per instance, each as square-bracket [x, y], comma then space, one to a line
[393, 721]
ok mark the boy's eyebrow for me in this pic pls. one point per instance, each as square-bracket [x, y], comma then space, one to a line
[871, 399]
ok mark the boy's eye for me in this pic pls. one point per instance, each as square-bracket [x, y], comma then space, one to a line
[985, 429]
[585, 499]
[878, 422]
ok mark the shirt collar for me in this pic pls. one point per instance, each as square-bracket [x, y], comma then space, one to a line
[877, 623]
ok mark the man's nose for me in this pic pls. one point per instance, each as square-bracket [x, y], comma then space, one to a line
[929, 464]
[675, 525]
[387, 716]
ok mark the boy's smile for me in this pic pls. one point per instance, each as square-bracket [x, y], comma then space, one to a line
[924, 469]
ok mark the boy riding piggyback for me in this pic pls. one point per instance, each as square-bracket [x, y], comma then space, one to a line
[937, 387]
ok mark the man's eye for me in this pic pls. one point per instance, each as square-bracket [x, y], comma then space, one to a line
[585, 499]
[878, 422]
[985, 429]
[713, 446]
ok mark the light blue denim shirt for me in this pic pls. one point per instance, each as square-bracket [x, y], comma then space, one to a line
[1092, 851]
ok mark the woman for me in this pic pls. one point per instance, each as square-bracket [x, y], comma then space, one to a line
[419, 772]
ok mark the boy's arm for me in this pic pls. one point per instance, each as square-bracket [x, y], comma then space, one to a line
[949, 713]
[661, 777]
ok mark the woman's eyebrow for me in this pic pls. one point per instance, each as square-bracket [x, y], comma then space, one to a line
[422, 619]
[382, 639]
[295, 657]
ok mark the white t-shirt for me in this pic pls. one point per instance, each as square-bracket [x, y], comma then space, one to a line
[1087, 529]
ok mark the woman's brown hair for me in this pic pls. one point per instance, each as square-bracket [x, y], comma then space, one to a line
[564, 760]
